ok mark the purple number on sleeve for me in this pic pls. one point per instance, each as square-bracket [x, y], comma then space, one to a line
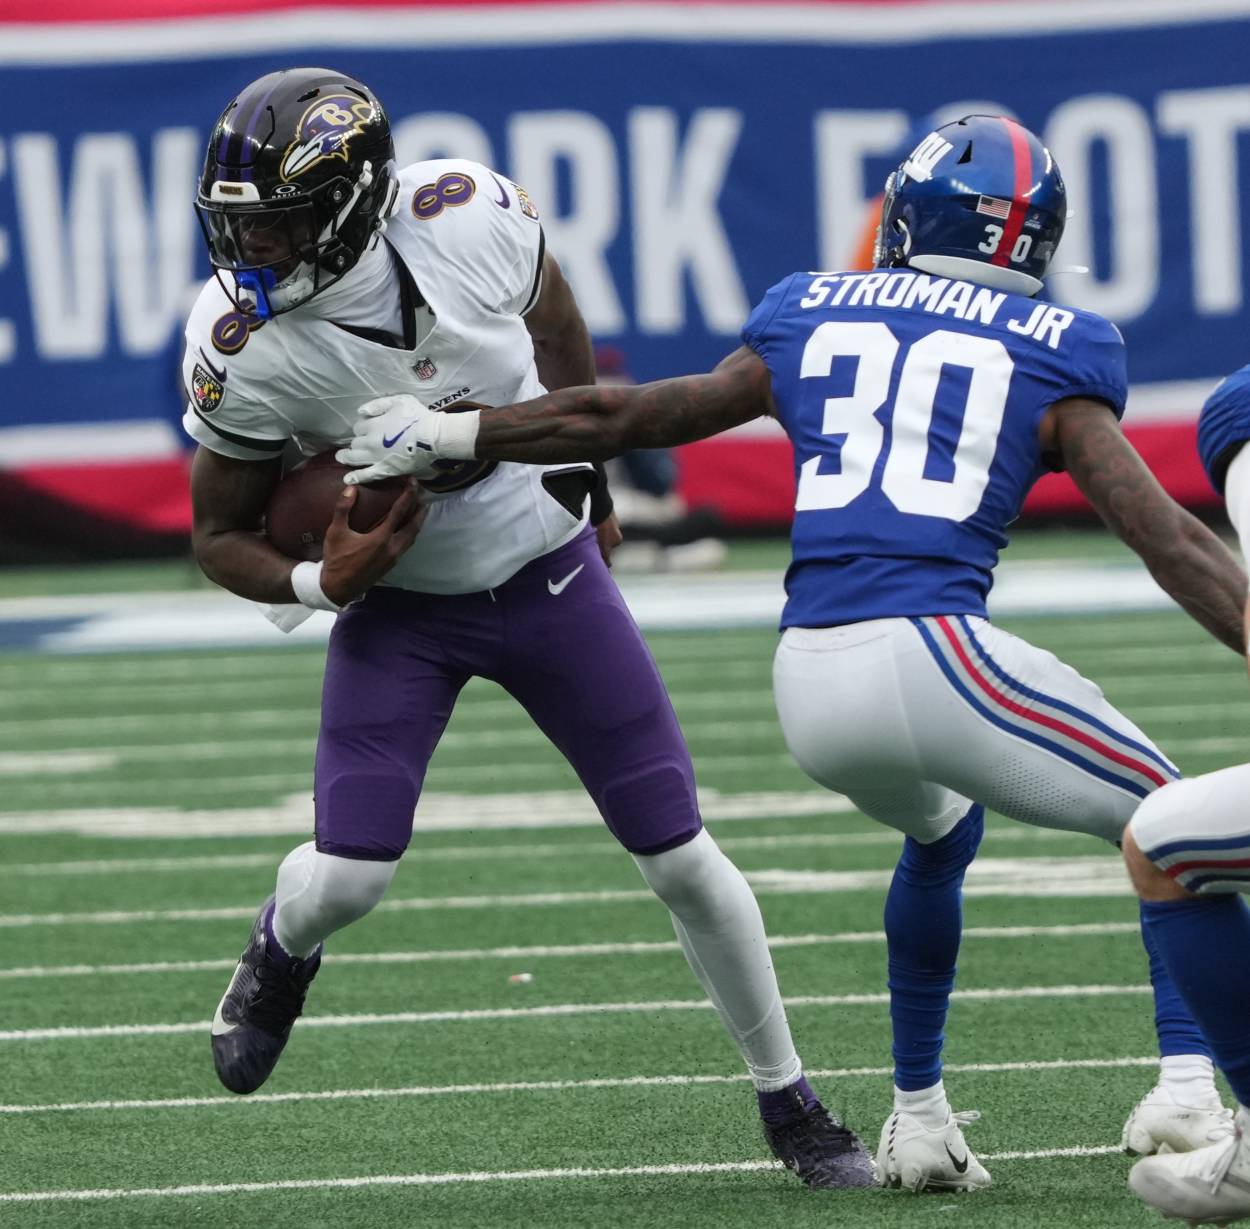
[448, 191]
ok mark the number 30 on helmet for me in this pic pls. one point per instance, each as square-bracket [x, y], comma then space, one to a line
[979, 199]
[298, 181]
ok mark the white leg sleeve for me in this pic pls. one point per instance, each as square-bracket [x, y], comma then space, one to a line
[319, 893]
[719, 927]
[1198, 831]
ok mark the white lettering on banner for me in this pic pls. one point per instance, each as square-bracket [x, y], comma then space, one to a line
[676, 224]
[1122, 128]
[441, 134]
[843, 141]
[107, 231]
[539, 141]
[8, 335]
[1210, 121]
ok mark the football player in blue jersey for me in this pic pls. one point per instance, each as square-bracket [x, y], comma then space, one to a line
[923, 399]
[1188, 852]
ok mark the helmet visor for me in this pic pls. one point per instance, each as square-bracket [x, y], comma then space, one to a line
[270, 237]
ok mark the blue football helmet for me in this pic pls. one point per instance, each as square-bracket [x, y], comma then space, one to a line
[979, 199]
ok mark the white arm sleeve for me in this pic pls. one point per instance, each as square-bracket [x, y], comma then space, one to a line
[1237, 496]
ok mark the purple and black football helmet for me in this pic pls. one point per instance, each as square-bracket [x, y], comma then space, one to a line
[298, 180]
[979, 199]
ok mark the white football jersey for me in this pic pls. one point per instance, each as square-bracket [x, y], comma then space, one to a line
[473, 245]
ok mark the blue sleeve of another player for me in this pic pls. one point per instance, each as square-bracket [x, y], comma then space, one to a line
[1224, 425]
[1095, 363]
[755, 332]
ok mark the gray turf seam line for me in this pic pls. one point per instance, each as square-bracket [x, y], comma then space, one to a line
[633, 1081]
[563, 1010]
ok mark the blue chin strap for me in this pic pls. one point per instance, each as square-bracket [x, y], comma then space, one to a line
[258, 283]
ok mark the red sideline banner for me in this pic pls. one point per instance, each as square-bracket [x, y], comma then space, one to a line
[750, 481]
[747, 478]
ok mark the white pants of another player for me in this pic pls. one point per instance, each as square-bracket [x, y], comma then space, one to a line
[916, 719]
[1198, 831]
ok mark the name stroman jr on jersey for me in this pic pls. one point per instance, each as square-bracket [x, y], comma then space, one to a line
[941, 296]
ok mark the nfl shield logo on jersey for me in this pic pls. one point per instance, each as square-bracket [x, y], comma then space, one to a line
[425, 369]
[206, 389]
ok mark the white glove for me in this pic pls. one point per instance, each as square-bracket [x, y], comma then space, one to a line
[398, 435]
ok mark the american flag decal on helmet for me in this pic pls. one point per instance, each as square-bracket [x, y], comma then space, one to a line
[993, 206]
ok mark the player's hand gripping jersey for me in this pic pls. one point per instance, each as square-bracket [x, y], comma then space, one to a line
[468, 249]
[913, 404]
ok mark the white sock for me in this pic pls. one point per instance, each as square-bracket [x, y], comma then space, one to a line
[1189, 1079]
[319, 893]
[720, 929]
[928, 1105]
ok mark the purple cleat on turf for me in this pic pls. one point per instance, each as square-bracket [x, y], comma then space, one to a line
[253, 1021]
[821, 1150]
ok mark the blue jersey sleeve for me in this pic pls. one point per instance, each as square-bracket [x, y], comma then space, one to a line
[755, 332]
[1224, 425]
[1095, 365]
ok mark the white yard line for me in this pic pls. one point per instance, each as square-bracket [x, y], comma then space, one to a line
[418, 856]
[438, 811]
[1095, 875]
[629, 1081]
[561, 1010]
[477, 1177]
[548, 951]
[54, 763]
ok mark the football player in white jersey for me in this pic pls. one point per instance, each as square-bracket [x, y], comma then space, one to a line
[312, 313]
[1188, 852]
[924, 399]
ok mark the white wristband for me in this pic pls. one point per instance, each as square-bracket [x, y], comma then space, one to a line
[456, 435]
[306, 581]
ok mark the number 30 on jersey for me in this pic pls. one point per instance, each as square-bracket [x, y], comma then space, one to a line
[854, 417]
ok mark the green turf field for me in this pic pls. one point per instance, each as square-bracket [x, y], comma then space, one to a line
[426, 1086]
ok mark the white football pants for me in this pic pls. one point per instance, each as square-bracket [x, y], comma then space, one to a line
[916, 719]
[1198, 831]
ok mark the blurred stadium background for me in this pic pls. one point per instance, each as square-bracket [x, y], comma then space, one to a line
[156, 735]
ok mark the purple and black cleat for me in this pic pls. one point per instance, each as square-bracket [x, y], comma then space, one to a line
[823, 1152]
[253, 1021]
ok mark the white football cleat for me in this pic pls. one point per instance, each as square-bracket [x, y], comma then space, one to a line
[920, 1158]
[1159, 1123]
[1210, 1186]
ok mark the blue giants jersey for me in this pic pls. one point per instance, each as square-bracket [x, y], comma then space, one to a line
[1224, 425]
[913, 405]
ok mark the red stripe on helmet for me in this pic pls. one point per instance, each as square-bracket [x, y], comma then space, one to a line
[1019, 202]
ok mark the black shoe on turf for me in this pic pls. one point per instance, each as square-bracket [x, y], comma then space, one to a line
[254, 1018]
[822, 1151]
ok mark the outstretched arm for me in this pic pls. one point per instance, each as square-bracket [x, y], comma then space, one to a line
[590, 424]
[1190, 563]
[399, 435]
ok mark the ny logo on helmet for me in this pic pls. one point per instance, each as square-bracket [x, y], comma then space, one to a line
[324, 131]
[926, 156]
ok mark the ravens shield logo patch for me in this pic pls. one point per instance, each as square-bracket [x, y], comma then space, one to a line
[206, 390]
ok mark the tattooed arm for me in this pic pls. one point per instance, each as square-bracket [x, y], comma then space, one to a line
[399, 435]
[590, 424]
[1190, 563]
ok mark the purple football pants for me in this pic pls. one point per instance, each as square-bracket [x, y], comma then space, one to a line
[559, 638]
